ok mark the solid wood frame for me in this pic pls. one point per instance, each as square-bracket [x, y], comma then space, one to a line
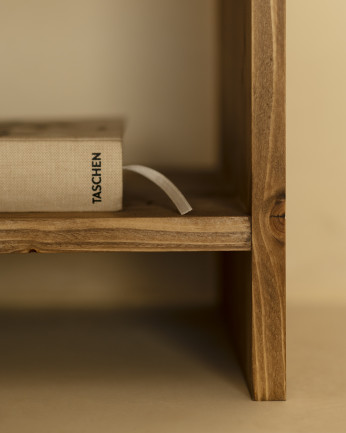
[253, 107]
[243, 216]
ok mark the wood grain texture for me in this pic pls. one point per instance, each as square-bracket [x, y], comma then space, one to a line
[149, 222]
[109, 232]
[256, 133]
[268, 200]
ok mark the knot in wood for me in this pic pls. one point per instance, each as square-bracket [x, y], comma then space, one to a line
[277, 219]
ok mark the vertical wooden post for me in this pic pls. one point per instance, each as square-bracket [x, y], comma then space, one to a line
[255, 130]
[268, 200]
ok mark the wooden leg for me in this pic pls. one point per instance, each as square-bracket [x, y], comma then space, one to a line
[253, 136]
[256, 314]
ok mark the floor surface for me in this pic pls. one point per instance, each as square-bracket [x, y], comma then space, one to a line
[162, 371]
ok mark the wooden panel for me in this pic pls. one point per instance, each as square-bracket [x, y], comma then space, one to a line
[268, 200]
[235, 55]
[237, 307]
[71, 233]
[259, 68]
[149, 222]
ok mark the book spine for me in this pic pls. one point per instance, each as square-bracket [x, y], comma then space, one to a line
[75, 175]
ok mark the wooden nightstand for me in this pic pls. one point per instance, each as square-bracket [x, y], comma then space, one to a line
[238, 210]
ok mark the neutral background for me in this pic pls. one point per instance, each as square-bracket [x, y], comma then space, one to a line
[153, 63]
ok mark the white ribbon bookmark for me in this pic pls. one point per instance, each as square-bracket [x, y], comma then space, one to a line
[165, 184]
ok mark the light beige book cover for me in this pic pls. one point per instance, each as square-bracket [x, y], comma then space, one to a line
[61, 166]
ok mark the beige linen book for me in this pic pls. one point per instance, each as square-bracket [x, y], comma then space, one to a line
[60, 166]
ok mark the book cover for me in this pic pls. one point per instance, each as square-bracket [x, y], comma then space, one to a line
[60, 166]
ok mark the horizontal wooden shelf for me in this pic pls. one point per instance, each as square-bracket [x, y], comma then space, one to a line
[148, 223]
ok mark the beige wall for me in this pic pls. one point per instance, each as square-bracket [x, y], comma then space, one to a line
[316, 150]
[106, 280]
[153, 62]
